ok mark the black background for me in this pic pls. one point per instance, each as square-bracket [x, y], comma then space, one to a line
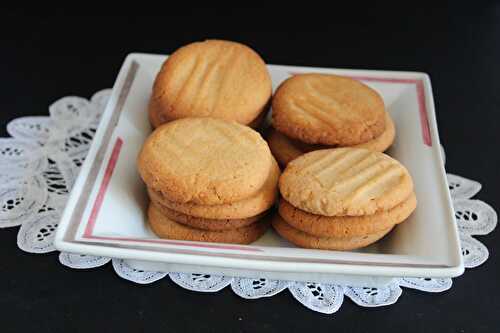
[43, 58]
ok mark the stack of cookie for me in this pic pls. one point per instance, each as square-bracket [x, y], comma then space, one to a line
[208, 180]
[214, 78]
[320, 111]
[342, 199]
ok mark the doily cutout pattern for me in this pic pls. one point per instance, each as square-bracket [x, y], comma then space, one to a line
[82, 261]
[127, 272]
[201, 282]
[39, 164]
[257, 288]
[320, 297]
[371, 297]
[426, 284]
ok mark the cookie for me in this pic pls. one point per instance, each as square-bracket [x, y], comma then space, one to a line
[345, 181]
[328, 109]
[205, 161]
[252, 206]
[257, 122]
[346, 226]
[282, 148]
[384, 141]
[204, 223]
[164, 227]
[213, 78]
[155, 118]
[285, 149]
[305, 240]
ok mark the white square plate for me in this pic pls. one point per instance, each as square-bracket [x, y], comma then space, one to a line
[106, 212]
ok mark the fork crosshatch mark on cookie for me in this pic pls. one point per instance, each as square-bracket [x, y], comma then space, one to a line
[419, 86]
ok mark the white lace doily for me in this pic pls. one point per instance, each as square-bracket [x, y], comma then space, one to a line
[39, 164]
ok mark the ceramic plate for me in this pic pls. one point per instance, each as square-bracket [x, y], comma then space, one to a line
[106, 212]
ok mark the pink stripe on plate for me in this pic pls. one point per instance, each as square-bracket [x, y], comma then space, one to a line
[179, 243]
[422, 107]
[104, 186]
[382, 79]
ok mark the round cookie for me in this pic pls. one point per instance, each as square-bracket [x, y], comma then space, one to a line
[163, 227]
[384, 141]
[213, 78]
[257, 122]
[346, 226]
[282, 148]
[285, 149]
[305, 240]
[252, 206]
[155, 118]
[328, 109]
[345, 181]
[205, 161]
[203, 223]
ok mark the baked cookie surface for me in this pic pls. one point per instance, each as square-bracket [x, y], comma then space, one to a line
[282, 147]
[343, 226]
[305, 240]
[384, 140]
[213, 78]
[345, 181]
[254, 205]
[164, 227]
[285, 149]
[328, 109]
[205, 161]
[156, 118]
[204, 223]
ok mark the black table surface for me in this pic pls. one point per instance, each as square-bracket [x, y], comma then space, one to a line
[43, 58]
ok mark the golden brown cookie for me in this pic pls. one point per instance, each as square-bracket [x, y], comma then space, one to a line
[305, 240]
[203, 223]
[345, 181]
[164, 227]
[285, 149]
[328, 109]
[282, 148]
[346, 226]
[155, 118]
[257, 122]
[252, 206]
[213, 78]
[205, 161]
[384, 141]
